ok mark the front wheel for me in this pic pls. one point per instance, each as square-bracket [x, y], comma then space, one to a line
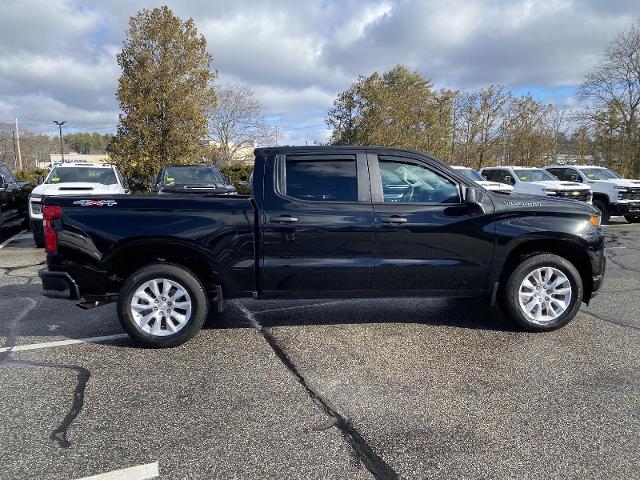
[632, 218]
[543, 293]
[162, 305]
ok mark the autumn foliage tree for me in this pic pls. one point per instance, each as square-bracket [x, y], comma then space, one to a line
[165, 92]
[398, 108]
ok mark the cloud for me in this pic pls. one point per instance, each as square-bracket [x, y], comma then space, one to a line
[57, 57]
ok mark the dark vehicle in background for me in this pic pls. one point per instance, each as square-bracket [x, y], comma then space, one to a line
[323, 222]
[183, 179]
[14, 198]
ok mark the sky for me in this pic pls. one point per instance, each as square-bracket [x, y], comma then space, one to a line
[58, 57]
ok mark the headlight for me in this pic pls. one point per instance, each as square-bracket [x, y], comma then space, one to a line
[35, 201]
[622, 194]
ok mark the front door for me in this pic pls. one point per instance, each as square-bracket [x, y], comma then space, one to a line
[317, 225]
[426, 239]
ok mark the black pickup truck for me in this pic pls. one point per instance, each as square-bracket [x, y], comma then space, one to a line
[14, 197]
[323, 222]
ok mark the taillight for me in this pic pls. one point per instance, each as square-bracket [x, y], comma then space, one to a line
[50, 213]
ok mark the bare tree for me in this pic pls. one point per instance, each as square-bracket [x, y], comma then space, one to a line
[237, 123]
[611, 93]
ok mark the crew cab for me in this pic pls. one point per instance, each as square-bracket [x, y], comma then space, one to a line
[612, 195]
[71, 179]
[202, 179]
[475, 176]
[13, 199]
[536, 181]
[323, 222]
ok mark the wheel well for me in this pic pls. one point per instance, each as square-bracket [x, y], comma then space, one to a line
[135, 257]
[565, 249]
[602, 197]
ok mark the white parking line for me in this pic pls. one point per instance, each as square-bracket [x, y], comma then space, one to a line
[61, 343]
[17, 236]
[140, 472]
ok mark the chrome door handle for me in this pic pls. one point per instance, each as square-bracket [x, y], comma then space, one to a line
[394, 219]
[284, 219]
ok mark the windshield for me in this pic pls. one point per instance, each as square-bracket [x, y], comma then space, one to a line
[105, 176]
[182, 175]
[471, 174]
[599, 173]
[533, 175]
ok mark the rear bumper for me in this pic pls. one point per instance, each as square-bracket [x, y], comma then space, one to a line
[58, 285]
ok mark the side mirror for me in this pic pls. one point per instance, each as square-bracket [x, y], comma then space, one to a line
[3, 183]
[227, 179]
[40, 180]
[473, 200]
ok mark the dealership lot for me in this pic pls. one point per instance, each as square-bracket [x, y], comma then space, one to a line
[411, 388]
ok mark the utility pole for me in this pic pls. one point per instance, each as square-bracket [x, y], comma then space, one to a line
[15, 154]
[276, 135]
[61, 147]
[18, 156]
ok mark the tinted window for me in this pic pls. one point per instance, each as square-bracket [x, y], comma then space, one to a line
[493, 175]
[186, 175]
[404, 182]
[333, 180]
[557, 172]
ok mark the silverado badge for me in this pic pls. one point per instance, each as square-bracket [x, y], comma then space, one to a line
[95, 203]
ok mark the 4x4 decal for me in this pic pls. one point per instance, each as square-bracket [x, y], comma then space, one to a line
[95, 203]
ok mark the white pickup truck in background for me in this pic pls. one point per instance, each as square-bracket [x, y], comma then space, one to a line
[537, 181]
[472, 174]
[73, 179]
[612, 195]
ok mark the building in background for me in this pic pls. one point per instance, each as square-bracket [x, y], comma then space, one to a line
[73, 157]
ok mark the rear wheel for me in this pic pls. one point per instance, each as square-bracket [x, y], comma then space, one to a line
[604, 211]
[632, 218]
[543, 293]
[38, 237]
[162, 305]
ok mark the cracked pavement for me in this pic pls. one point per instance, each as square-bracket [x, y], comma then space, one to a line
[407, 388]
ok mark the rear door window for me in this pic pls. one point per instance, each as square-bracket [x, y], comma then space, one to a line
[326, 179]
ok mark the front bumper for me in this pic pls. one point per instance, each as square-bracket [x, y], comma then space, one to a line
[624, 208]
[58, 285]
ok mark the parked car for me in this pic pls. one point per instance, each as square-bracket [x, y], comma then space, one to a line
[612, 195]
[475, 176]
[13, 199]
[537, 181]
[73, 179]
[192, 179]
[323, 222]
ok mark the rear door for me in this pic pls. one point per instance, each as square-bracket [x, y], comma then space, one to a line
[317, 225]
[426, 240]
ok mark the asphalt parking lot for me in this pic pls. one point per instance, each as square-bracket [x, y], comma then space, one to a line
[407, 388]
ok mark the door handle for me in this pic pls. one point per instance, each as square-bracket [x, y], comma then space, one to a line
[394, 219]
[284, 219]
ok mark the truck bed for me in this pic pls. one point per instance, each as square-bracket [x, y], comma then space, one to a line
[107, 232]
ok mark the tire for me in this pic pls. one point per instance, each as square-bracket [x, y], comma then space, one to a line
[160, 325]
[38, 237]
[604, 211]
[632, 219]
[551, 315]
